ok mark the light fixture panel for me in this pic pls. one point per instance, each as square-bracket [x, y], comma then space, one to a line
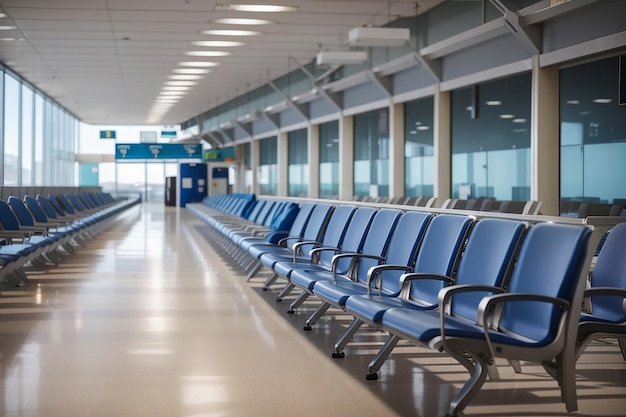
[371, 36]
[341, 57]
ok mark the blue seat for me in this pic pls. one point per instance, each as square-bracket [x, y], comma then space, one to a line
[372, 253]
[304, 275]
[282, 263]
[531, 320]
[607, 294]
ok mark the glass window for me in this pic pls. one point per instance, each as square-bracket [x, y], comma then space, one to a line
[27, 135]
[298, 163]
[371, 153]
[38, 140]
[268, 167]
[11, 130]
[491, 140]
[593, 135]
[419, 148]
[329, 160]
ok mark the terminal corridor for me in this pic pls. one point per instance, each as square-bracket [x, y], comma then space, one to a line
[150, 320]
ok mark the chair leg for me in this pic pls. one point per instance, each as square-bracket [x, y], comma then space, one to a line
[316, 315]
[285, 291]
[478, 369]
[269, 281]
[345, 338]
[384, 352]
[298, 302]
[254, 271]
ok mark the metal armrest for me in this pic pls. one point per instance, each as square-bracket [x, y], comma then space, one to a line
[604, 291]
[297, 248]
[487, 310]
[375, 273]
[335, 260]
[444, 298]
[315, 252]
[406, 279]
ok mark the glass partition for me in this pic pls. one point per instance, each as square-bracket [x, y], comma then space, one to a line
[329, 160]
[371, 153]
[593, 135]
[491, 140]
[298, 163]
[419, 148]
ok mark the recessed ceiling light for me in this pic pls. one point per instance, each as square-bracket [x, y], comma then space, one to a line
[207, 53]
[494, 103]
[413, 132]
[229, 32]
[181, 83]
[241, 21]
[217, 44]
[603, 100]
[184, 77]
[11, 39]
[573, 101]
[5, 27]
[519, 120]
[423, 128]
[262, 8]
[198, 64]
[507, 116]
[191, 71]
[3, 15]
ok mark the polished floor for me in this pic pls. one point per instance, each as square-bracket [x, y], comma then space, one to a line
[150, 320]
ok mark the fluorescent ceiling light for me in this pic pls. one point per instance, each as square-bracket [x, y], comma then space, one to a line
[11, 39]
[261, 8]
[184, 77]
[191, 71]
[5, 27]
[3, 15]
[370, 36]
[172, 93]
[198, 64]
[229, 32]
[494, 103]
[181, 83]
[423, 127]
[217, 44]
[603, 100]
[175, 88]
[519, 120]
[507, 116]
[242, 21]
[573, 101]
[341, 57]
[207, 53]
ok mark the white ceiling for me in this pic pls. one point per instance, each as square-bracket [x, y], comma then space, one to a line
[107, 60]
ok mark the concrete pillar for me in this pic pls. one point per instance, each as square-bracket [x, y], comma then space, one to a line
[255, 159]
[544, 139]
[283, 163]
[396, 150]
[443, 144]
[313, 152]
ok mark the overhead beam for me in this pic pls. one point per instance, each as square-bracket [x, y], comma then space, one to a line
[297, 107]
[333, 98]
[528, 36]
[385, 83]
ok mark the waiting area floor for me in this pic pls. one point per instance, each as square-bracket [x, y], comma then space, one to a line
[150, 320]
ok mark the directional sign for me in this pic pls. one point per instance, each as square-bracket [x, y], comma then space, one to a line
[124, 151]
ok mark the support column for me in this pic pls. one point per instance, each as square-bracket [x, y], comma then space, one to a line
[346, 158]
[443, 144]
[396, 150]
[255, 159]
[544, 139]
[283, 163]
[313, 152]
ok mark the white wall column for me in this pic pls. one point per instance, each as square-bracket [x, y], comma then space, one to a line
[396, 150]
[443, 144]
[544, 139]
[313, 152]
[346, 157]
[283, 163]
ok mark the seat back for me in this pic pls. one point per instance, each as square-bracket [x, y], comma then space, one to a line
[33, 206]
[403, 247]
[438, 253]
[56, 205]
[486, 260]
[315, 226]
[610, 271]
[46, 206]
[353, 238]
[21, 211]
[7, 217]
[64, 202]
[377, 240]
[549, 264]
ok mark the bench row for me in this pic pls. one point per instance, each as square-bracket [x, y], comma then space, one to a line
[38, 231]
[474, 288]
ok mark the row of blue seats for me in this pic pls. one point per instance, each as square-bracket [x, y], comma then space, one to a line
[475, 288]
[38, 231]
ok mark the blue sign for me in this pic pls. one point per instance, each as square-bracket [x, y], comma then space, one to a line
[107, 134]
[169, 134]
[125, 151]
